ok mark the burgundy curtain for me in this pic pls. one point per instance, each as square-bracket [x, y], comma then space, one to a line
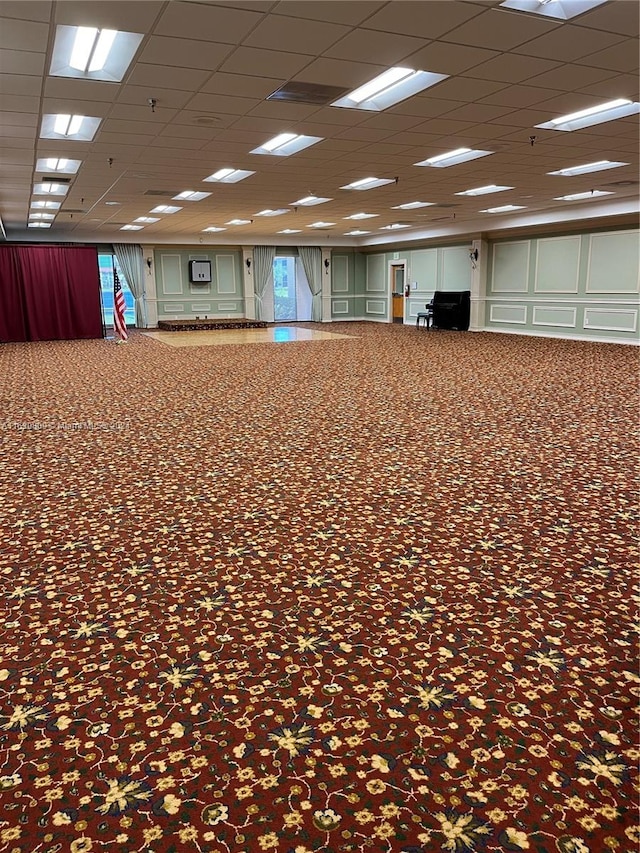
[49, 293]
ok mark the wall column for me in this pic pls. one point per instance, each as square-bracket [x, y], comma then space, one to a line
[247, 280]
[326, 285]
[149, 296]
[478, 283]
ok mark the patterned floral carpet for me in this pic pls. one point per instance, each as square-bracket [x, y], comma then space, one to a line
[370, 594]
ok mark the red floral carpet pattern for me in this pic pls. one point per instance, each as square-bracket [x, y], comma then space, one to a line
[359, 595]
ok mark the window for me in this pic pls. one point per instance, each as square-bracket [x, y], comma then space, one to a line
[105, 266]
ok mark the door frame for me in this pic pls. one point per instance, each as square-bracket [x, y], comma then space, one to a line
[396, 262]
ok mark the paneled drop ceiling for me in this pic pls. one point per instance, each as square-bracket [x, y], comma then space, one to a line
[194, 101]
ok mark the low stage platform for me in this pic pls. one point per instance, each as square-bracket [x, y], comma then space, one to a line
[209, 325]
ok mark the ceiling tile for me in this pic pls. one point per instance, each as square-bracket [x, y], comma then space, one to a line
[568, 43]
[184, 53]
[350, 12]
[251, 60]
[511, 68]
[122, 15]
[21, 62]
[436, 18]
[500, 29]
[363, 45]
[30, 35]
[623, 57]
[35, 10]
[186, 79]
[307, 36]
[206, 23]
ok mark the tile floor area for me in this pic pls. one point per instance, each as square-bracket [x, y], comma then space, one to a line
[222, 337]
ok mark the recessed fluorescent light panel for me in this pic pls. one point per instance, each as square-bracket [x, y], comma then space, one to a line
[583, 196]
[356, 233]
[490, 188]
[93, 54]
[269, 212]
[291, 231]
[190, 195]
[309, 201]
[212, 228]
[389, 88]
[47, 188]
[165, 208]
[413, 205]
[586, 168]
[320, 224]
[563, 10]
[620, 108]
[132, 227]
[42, 216]
[38, 225]
[148, 220]
[361, 216]
[453, 158]
[66, 126]
[286, 144]
[395, 226]
[58, 164]
[506, 208]
[46, 205]
[229, 176]
[238, 222]
[367, 184]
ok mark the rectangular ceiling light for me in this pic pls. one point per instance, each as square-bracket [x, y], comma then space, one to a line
[506, 208]
[148, 220]
[361, 216]
[413, 205]
[583, 196]
[132, 227]
[367, 183]
[269, 212]
[58, 164]
[190, 195]
[213, 228]
[389, 88]
[395, 226]
[563, 10]
[165, 208]
[309, 201]
[620, 108]
[356, 233]
[229, 176]
[238, 222]
[66, 126]
[452, 158]
[48, 188]
[38, 225]
[490, 188]
[46, 205]
[286, 144]
[291, 231]
[93, 54]
[586, 168]
[321, 224]
[42, 216]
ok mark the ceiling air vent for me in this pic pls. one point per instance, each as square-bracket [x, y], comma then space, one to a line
[54, 179]
[297, 92]
[72, 210]
[163, 193]
[621, 184]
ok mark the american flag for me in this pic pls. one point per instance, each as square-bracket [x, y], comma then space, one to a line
[119, 322]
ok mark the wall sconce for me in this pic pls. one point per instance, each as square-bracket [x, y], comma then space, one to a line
[248, 263]
[326, 266]
[149, 265]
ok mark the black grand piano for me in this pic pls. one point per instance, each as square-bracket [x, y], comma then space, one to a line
[451, 309]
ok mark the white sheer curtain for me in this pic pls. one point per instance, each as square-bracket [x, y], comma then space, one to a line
[262, 274]
[311, 257]
[129, 257]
